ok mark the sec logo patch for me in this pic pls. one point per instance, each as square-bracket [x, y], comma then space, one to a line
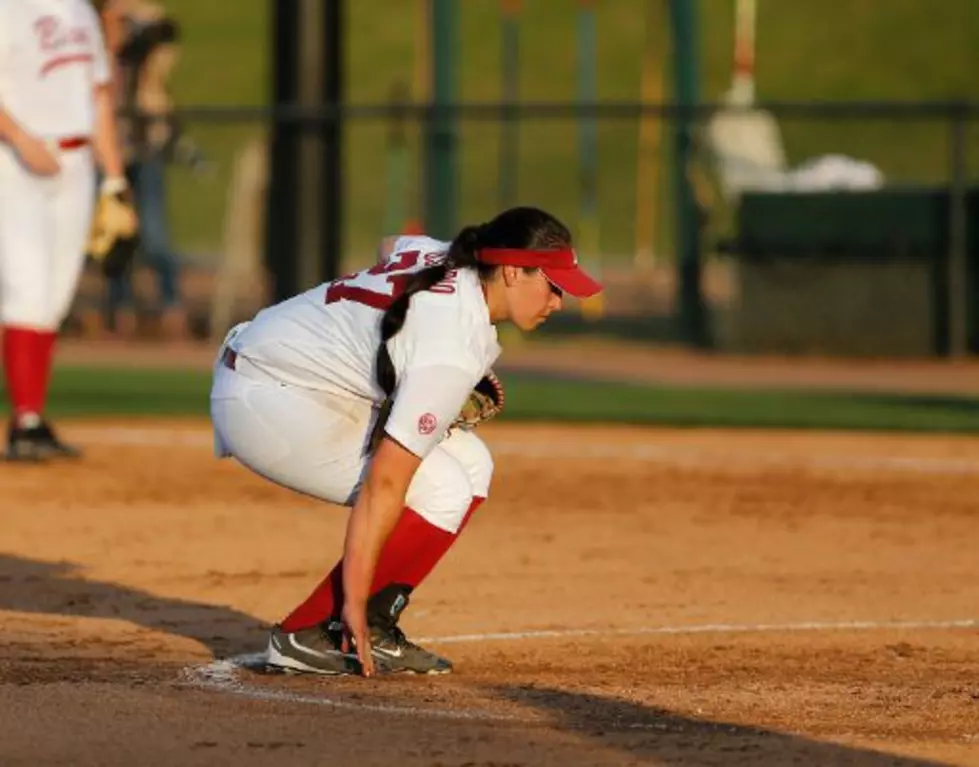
[427, 423]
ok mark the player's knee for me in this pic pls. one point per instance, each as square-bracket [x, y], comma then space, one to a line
[475, 457]
[480, 467]
[441, 492]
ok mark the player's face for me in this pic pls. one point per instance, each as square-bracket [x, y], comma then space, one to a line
[531, 299]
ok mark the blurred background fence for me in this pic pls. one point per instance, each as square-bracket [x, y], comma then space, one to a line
[838, 214]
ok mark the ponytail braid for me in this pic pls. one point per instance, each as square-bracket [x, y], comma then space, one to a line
[461, 255]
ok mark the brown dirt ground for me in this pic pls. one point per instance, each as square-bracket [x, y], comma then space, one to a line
[120, 573]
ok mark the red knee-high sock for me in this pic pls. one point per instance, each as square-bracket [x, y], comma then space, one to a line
[44, 346]
[26, 357]
[410, 554]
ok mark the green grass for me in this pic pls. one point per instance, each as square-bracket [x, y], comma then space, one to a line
[826, 50]
[127, 392]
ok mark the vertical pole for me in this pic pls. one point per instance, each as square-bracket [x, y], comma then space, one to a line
[691, 314]
[589, 239]
[331, 137]
[395, 215]
[510, 93]
[309, 174]
[421, 93]
[958, 270]
[441, 145]
[650, 138]
[281, 250]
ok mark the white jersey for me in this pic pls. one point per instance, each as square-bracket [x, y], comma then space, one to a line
[326, 339]
[52, 55]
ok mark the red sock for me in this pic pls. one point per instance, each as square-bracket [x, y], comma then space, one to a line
[410, 554]
[25, 358]
[44, 346]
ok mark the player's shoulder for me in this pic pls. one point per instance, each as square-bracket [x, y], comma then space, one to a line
[454, 306]
[88, 12]
[414, 242]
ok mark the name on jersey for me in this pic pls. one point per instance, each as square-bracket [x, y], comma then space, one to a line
[448, 284]
[62, 44]
[380, 285]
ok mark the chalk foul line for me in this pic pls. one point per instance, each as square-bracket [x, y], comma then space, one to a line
[225, 675]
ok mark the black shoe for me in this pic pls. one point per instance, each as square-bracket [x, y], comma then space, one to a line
[392, 650]
[37, 443]
[313, 651]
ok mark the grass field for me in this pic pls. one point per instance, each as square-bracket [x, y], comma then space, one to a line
[831, 50]
[124, 392]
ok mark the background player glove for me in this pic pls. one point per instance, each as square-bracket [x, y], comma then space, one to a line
[115, 229]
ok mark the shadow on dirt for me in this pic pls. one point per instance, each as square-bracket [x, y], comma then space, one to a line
[655, 735]
[59, 589]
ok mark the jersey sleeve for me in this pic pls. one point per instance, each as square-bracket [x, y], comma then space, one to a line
[426, 402]
[422, 244]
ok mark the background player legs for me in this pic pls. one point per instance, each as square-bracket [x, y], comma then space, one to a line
[43, 229]
[26, 245]
[72, 210]
[148, 183]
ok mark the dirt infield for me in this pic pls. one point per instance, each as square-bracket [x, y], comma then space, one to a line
[627, 596]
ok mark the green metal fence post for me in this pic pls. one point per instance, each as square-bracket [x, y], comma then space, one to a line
[589, 240]
[510, 93]
[958, 259]
[691, 313]
[441, 182]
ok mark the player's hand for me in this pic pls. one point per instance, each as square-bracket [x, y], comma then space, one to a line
[36, 156]
[357, 633]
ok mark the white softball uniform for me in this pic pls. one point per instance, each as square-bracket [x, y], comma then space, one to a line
[52, 56]
[299, 406]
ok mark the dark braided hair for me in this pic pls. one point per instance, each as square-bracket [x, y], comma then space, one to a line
[529, 228]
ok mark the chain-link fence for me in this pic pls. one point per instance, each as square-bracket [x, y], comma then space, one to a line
[617, 198]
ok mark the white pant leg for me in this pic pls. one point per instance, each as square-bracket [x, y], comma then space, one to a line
[26, 244]
[441, 491]
[315, 445]
[73, 206]
[285, 435]
[470, 451]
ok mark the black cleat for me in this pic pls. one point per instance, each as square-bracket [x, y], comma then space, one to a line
[314, 650]
[392, 650]
[37, 443]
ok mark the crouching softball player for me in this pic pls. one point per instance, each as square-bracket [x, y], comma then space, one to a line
[362, 392]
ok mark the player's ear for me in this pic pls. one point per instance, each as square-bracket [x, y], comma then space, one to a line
[510, 274]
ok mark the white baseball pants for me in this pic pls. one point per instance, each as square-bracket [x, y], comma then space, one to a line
[314, 443]
[44, 226]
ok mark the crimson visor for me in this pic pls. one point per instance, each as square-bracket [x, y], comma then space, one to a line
[559, 266]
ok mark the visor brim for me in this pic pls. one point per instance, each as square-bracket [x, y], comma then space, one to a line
[574, 281]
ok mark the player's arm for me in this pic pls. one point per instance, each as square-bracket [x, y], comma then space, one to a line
[427, 400]
[108, 154]
[10, 130]
[36, 156]
[33, 152]
[375, 513]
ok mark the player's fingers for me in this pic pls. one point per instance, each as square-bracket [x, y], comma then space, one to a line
[364, 654]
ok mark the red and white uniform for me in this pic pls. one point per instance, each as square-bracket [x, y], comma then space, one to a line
[300, 404]
[52, 56]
